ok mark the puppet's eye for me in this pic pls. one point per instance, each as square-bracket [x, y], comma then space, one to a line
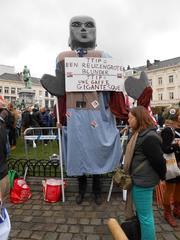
[89, 24]
[76, 24]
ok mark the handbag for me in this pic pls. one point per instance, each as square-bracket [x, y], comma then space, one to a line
[171, 165]
[5, 225]
[20, 192]
[132, 228]
[123, 180]
[52, 189]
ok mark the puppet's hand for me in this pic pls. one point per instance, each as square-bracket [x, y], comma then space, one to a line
[135, 86]
[54, 85]
[124, 130]
[59, 125]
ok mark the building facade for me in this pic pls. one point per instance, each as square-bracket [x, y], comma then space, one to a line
[164, 78]
[11, 84]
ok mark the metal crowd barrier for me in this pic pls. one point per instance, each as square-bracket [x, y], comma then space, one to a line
[44, 142]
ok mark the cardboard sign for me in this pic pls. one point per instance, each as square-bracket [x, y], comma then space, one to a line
[93, 74]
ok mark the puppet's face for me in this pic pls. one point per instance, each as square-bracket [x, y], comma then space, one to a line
[82, 33]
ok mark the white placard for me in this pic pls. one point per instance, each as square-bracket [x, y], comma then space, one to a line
[93, 74]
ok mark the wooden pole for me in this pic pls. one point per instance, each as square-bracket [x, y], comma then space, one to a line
[60, 150]
[116, 230]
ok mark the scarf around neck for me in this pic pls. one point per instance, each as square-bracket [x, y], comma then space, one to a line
[129, 152]
[129, 211]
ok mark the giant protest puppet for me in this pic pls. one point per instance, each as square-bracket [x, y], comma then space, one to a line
[90, 139]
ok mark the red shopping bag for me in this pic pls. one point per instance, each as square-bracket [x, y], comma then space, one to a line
[52, 189]
[20, 192]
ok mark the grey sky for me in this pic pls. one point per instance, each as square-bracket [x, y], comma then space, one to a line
[34, 32]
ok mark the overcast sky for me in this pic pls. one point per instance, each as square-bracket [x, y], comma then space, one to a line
[34, 32]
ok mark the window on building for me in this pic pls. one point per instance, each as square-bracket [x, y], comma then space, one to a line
[40, 93]
[171, 95]
[46, 93]
[150, 82]
[13, 100]
[6, 90]
[18, 90]
[171, 79]
[7, 98]
[46, 103]
[160, 96]
[13, 90]
[159, 80]
[40, 103]
[1, 89]
[52, 104]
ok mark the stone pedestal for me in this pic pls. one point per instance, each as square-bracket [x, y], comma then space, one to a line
[26, 97]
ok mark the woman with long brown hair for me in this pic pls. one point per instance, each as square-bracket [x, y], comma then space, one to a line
[144, 152]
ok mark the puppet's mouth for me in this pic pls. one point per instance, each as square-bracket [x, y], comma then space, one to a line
[84, 35]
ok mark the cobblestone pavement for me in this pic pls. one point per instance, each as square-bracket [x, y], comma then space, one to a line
[38, 220]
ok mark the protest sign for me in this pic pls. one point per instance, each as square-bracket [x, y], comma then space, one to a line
[93, 74]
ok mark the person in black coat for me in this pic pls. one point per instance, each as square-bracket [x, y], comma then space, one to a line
[170, 144]
[4, 182]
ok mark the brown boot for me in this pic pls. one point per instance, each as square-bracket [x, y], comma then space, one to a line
[169, 217]
[176, 210]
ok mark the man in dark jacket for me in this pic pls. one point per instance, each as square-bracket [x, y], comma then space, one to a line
[4, 184]
[26, 120]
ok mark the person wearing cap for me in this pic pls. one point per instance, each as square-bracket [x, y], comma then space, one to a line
[169, 134]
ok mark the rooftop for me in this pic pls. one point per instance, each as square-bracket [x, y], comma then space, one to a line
[158, 64]
[17, 77]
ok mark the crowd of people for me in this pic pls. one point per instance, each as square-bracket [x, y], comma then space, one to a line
[145, 145]
[16, 121]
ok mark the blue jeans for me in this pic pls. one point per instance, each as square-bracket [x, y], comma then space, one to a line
[143, 200]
